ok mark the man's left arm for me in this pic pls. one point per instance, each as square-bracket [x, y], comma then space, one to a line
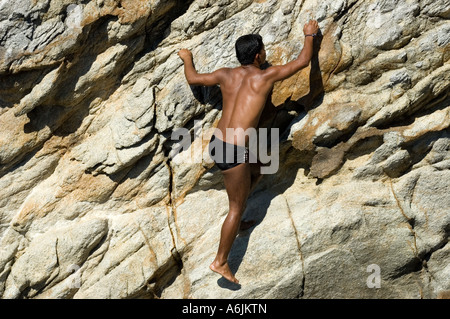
[195, 78]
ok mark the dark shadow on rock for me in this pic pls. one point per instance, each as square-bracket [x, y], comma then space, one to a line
[224, 283]
[211, 95]
[208, 95]
[158, 27]
[316, 92]
[11, 93]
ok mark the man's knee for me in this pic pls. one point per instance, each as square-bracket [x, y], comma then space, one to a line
[236, 208]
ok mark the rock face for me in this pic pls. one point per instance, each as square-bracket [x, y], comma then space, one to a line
[96, 201]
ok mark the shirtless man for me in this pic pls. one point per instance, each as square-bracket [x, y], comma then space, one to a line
[244, 90]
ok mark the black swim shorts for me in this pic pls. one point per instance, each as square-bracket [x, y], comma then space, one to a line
[227, 155]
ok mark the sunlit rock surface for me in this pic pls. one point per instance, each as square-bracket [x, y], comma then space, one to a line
[96, 202]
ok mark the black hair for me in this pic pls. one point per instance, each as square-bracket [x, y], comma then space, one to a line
[247, 47]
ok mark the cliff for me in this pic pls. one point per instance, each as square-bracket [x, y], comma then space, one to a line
[97, 201]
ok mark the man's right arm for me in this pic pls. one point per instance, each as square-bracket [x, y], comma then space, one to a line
[281, 72]
[195, 78]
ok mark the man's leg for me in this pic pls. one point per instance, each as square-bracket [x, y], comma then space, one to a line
[255, 177]
[237, 183]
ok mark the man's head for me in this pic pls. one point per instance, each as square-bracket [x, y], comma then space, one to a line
[248, 47]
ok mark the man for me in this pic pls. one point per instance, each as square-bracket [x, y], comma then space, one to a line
[244, 90]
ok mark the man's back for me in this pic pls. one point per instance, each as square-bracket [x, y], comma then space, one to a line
[244, 90]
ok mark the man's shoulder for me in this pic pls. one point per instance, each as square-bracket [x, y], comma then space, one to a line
[225, 69]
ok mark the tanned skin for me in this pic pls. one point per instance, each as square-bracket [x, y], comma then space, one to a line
[245, 90]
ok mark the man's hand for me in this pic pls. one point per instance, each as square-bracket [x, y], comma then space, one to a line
[185, 54]
[281, 72]
[311, 27]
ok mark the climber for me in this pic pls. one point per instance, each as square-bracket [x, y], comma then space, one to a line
[244, 90]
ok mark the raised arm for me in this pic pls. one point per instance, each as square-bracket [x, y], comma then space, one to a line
[195, 78]
[281, 72]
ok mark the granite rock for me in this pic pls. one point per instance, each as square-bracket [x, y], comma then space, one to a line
[107, 189]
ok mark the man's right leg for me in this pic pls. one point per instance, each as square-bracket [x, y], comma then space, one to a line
[237, 183]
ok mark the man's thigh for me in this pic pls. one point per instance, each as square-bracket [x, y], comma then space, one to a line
[237, 182]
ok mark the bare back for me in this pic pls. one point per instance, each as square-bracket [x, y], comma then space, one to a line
[246, 88]
[244, 92]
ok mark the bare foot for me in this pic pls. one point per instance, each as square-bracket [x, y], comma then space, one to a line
[223, 270]
[246, 224]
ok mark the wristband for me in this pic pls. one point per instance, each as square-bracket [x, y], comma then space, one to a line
[310, 35]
